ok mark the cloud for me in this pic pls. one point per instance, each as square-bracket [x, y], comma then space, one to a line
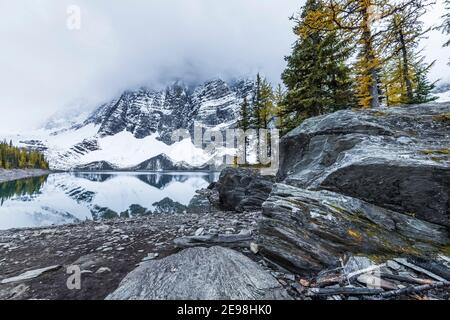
[45, 67]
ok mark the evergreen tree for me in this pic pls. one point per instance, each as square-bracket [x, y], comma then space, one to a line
[263, 110]
[244, 124]
[423, 87]
[393, 84]
[401, 39]
[266, 112]
[245, 120]
[368, 63]
[317, 77]
[256, 103]
[279, 98]
[355, 19]
[364, 19]
[18, 158]
[445, 27]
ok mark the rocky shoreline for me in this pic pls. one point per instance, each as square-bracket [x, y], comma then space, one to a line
[16, 174]
[127, 259]
[105, 251]
[359, 210]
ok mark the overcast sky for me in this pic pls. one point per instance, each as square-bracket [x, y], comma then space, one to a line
[46, 67]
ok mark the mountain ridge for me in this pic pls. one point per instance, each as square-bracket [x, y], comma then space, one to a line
[142, 121]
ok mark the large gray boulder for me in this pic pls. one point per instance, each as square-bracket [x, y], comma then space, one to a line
[199, 274]
[396, 158]
[242, 189]
[306, 231]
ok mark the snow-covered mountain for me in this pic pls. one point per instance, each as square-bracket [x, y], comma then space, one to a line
[443, 92]
[138, 125]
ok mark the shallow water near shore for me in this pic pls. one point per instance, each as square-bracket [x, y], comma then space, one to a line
[62, 198]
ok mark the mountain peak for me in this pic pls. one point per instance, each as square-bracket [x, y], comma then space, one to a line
[144, 112]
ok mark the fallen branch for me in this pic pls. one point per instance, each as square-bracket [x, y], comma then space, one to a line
[329, 280]
[416, 289]
[333, 279]
[372, 281]
[366, 270]
[419, 269]
[406, 279]
[436, 268]
[346, 291]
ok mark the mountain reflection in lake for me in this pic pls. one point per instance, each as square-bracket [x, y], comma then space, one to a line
[72, 197]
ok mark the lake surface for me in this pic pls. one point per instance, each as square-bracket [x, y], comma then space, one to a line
[73, 197]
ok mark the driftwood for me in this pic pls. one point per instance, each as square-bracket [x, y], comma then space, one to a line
[412, 266]
[377, 284]
[334, 279]
[352, 291]
[372, 281]
[435, 267]
[346, 291]
[406, 279]
[351, 275]
[329, 280]
[416, 289]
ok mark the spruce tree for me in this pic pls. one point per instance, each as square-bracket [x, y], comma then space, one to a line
[365, 19]
[317, 77]
[244, 124]
[262, 104]
[245, 121]
[423, 87]
[445, 27]
[279, 98]
[355, 18]
[266, 112]
[256, 103]
[12, 157]
[393, 84]
[400, 39]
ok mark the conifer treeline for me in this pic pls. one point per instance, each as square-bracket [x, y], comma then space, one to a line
[12, 157]
[348, 54]
[21, 187]
[445, 27]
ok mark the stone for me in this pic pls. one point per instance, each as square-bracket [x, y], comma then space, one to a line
[242, 189]
[304, 282]
[150, 256]
[226, 240]
[356, 263]
[305, 231]
[16, 293]
[198, 274]
[102, 228]
[88, 261]
[363, 154]
[103, 270]
[31, 274]
[202, 202]
[199, 231]
[393, 265]
[254, 247]
[86, 271]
